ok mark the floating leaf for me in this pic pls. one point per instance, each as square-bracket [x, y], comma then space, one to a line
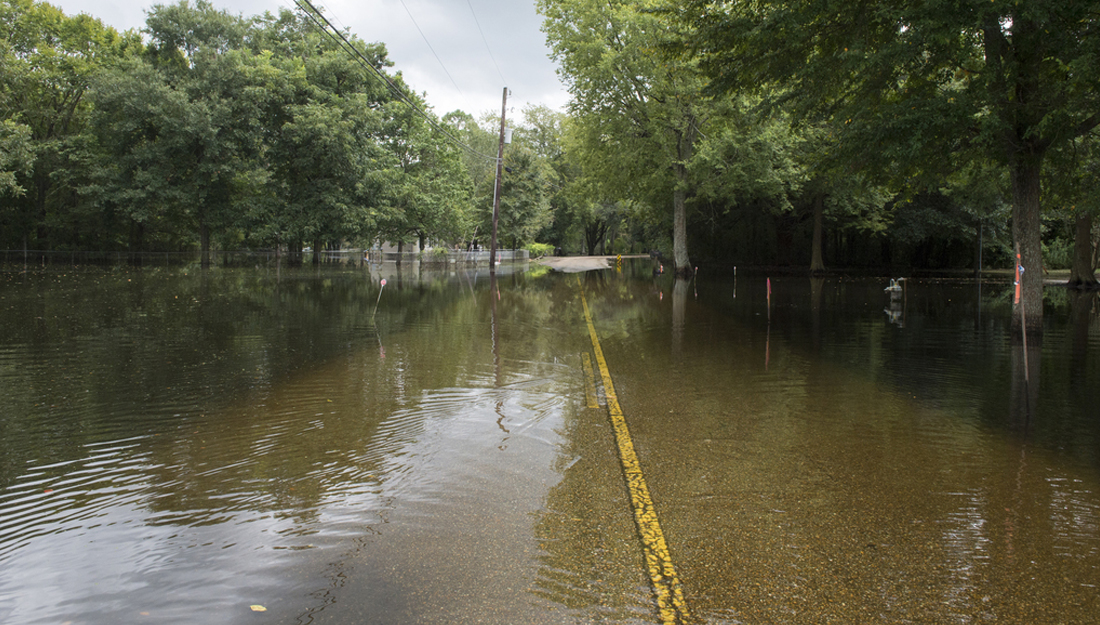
[257, 608]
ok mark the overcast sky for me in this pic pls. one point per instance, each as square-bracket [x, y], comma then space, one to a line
[516, 55]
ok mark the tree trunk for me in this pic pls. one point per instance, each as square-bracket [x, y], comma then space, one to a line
[593, 234]
[317, 251]
[978, 243]
[679, 229]
[1082, 274]
[294, 253]
[137, 242]
[685, 147]
[204, 244]
[1027, 235]
[817, 264]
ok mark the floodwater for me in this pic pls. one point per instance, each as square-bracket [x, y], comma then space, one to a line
[275, 446]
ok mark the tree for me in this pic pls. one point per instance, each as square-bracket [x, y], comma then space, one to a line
[46, 62]
[749, 162]
[479, 163]
[199, 49]
[16, 156]
[1073, 183]
[544, 130]
[524, 200]
[329, 169]
[1010, 80]
[637, 111]
[132, 173]
[429, 190]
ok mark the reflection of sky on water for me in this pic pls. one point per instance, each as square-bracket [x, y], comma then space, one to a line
[109, 542]
[113, 565]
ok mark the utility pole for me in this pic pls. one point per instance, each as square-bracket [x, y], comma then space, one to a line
[496, 191]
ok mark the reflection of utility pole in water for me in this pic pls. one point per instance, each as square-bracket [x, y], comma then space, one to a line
[494, 295]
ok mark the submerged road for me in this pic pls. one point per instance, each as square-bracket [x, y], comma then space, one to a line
[295, 446]
[662, 572]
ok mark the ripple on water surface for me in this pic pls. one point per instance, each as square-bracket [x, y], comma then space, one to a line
[212, 497]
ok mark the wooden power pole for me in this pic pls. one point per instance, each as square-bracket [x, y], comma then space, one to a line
[496, 190]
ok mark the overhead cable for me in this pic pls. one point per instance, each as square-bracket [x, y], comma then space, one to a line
[486, 41]
[316, 17]
[429, 44]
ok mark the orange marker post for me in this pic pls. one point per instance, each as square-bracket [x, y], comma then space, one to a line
[1017, 299]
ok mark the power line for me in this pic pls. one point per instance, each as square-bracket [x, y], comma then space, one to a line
[429, 44]
[316, 17]
[487, 49]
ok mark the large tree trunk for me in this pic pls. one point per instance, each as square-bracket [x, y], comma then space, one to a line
[593, 234]
[685, 147]
[679, 231]
[1082, 274]
[1027, 235]
[817, 263]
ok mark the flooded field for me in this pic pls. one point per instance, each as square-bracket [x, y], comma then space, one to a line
[274, 446]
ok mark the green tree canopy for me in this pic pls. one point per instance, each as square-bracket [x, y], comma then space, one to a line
[908, 82]
[47, 60]
[636, 111]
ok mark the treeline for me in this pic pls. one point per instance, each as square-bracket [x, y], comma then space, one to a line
[214, 130]
[939, 136]
[825, 134]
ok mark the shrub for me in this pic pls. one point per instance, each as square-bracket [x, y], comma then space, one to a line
[538, 250]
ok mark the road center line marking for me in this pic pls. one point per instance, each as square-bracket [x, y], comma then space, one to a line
[589, 381]
[666, 586]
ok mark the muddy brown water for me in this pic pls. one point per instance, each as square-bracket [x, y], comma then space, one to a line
[179, 446]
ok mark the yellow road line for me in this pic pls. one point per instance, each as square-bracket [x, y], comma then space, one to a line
[589, 381]
[666, 586]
